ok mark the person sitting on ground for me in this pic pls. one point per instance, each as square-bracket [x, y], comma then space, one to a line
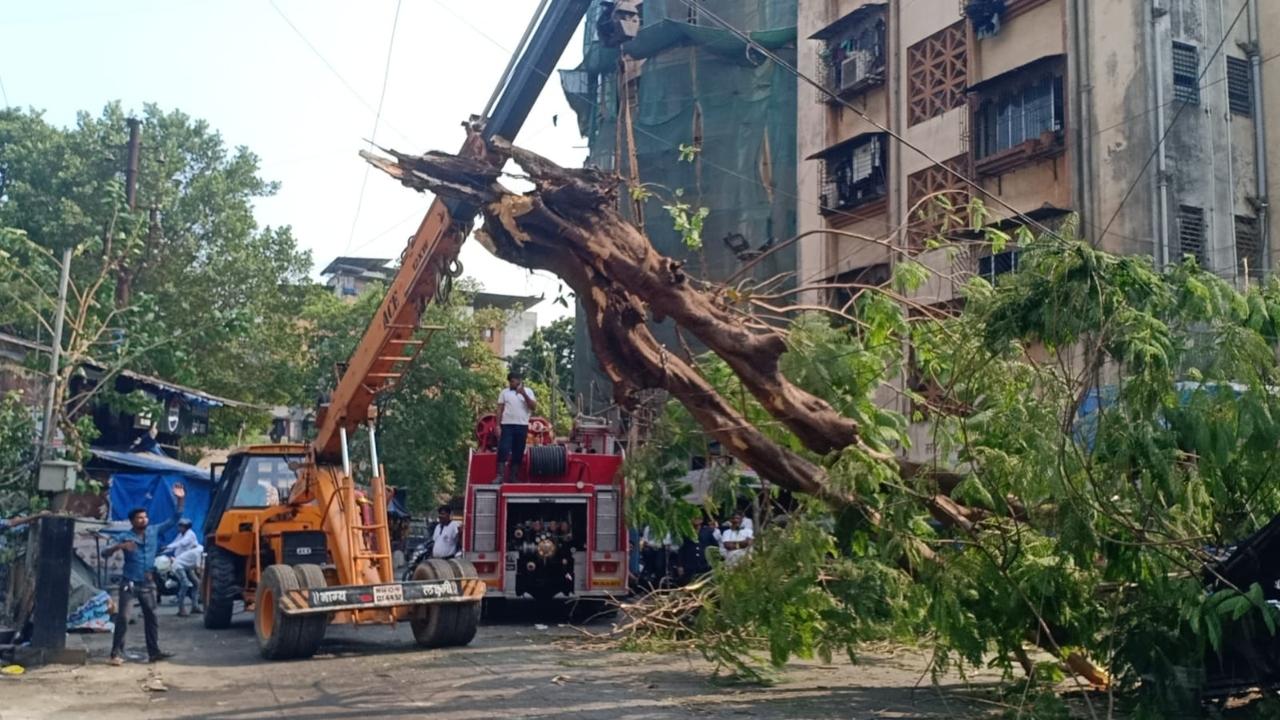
[735, 542]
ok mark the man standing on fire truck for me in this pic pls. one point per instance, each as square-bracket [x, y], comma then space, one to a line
[516, 405]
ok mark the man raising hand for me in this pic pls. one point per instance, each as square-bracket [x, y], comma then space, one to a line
[140, 545]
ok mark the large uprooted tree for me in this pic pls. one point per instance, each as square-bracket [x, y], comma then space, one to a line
[1098, 426]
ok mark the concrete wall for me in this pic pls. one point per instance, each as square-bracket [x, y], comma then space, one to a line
[1269, 45]
[811, 136]
[517, 332]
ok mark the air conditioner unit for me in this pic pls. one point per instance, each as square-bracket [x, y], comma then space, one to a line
[853, 70]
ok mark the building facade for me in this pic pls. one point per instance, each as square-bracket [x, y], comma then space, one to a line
[1147, 120]
[349, 277]
[673, 102]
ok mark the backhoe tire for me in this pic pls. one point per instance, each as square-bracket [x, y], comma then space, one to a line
[220, 588]
[278, 633]
[468, 614]
[445, 624]
[313, 627]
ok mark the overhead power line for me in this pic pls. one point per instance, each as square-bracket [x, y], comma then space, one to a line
[334, 71]
[377, 117]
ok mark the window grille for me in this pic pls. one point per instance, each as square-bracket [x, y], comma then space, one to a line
[1240, 86]
[937, 73]
[1249, 258]
[1191, 232]
[1186, 73]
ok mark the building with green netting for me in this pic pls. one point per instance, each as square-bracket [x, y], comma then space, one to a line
[686, 106]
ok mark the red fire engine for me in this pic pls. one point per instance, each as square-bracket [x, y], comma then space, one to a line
[558, 529]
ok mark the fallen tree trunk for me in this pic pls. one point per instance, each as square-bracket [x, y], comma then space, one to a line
[570, 225]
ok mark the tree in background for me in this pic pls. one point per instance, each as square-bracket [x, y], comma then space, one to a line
[185, 286]
[427, 422]
[547, 357]
[17, 430]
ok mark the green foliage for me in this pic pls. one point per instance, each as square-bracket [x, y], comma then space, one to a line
[687, 220]
[1104, 423]
[17, 435]
[547, 360]
[689, 153]
[186, 286]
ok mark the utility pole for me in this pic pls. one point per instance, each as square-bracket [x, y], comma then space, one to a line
[131, 169]
[56, 355]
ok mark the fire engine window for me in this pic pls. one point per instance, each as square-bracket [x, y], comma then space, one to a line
[266, 481]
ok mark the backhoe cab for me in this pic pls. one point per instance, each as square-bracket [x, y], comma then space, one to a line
[303, 547]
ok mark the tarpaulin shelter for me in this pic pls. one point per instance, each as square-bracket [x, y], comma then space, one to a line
[145, 480]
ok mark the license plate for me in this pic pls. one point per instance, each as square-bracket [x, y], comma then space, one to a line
[388, 594]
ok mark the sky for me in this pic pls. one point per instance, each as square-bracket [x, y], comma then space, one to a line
[304, 100]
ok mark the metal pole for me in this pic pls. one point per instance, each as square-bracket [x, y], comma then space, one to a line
[346, 457]
[131, 170]
[373, 450]
[515, 57]
[56, 355]
[1260, 136]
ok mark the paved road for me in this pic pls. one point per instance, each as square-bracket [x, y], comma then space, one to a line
[513, 669]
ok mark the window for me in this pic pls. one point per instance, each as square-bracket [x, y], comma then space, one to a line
[853, 173]
[852, 284]
[993, 266]
[1018, 113]
[937, 71]
[929, 218]
[1186, 73]
[266, 481]
[347, 283]
[852, 56]
[1249, 258]
[1240, 86]
[1191, 232]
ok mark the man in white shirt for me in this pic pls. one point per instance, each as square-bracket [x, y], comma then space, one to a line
[185, 541]
[188, 564]
[516, 405]
[735, 542]
[444, 539]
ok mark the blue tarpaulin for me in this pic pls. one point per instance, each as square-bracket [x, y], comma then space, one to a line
[149, 484]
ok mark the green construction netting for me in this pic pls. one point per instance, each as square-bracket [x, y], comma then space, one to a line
[699, 84]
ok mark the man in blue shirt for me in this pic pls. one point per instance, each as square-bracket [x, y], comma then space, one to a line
[140, 546]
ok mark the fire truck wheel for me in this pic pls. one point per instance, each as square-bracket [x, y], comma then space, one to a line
[445, 624]
[313, 626]
[277, 632]
[219, 589]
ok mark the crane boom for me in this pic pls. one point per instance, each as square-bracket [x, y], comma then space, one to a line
[429, 261]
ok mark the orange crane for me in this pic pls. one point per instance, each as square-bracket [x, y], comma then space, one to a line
[291, 532]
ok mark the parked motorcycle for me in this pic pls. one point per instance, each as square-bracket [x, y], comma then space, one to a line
[166, 574]
[420, 553]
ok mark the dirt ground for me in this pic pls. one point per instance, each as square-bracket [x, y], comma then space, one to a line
[512, 669]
